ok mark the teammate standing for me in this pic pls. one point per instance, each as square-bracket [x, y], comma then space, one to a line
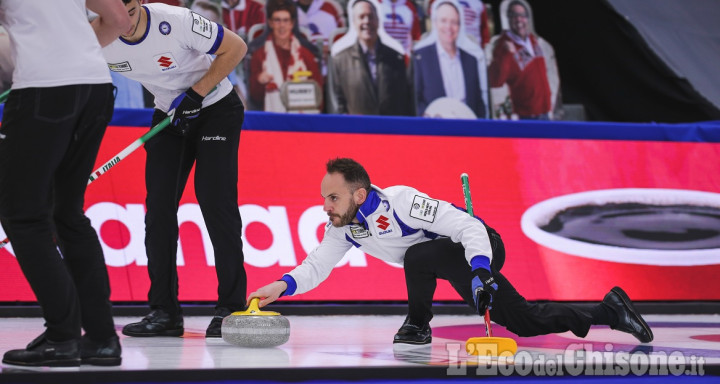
[169, 50]
[433, 239]
[52, 125]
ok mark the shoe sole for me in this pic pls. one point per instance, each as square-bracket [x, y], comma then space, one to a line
[411, 350]
[102, 361]
[428, 341]
[47, 363]
[626, 301]
[173, 332]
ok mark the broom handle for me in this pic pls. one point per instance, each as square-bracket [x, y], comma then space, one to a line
[468, 206]
[128, 150]
[488, 328]
[466, 193]
[132, 147]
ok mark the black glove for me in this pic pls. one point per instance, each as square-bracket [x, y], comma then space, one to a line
[186, 106]
[483, 287]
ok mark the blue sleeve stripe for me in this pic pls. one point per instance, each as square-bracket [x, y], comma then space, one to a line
[406, 229]
[480, 261]
[355, 243]
[291, 283]
[218, 39]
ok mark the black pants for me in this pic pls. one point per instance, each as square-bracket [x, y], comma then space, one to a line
[425, 262]
[51, 139]
[211, 143]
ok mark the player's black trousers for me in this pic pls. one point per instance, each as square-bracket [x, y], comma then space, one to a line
[211, 144]
[51, 140]
[444, 259]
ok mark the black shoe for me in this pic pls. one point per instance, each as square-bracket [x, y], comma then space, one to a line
[42, 352]
[105, 353]
[629, 320]
[413, 334]
[215, 327]
[157, 323]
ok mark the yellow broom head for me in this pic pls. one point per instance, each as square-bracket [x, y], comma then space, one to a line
[491, 346]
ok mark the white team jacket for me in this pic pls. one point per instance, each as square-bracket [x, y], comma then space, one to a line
[175, 52]
[391, 220]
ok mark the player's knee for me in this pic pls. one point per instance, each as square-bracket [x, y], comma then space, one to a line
[415, 257]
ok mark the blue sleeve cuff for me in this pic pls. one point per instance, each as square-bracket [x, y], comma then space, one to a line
[480, 261]
[218, 39]
[291, 285]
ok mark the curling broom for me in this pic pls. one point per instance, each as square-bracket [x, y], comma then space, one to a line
[488, 345]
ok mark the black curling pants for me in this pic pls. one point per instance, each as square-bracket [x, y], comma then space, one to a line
[444, 259]
[211, 144]
[50, 139]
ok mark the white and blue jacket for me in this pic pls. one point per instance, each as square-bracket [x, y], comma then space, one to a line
[391, 220]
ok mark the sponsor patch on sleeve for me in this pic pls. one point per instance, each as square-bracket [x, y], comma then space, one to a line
[201, 26]
[120, 67]
[424, 208]
[359, 232]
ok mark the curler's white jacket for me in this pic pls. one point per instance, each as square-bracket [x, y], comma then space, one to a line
[391, 220]
[174, 54]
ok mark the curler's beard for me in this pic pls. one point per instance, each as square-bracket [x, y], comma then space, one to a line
[345, 218]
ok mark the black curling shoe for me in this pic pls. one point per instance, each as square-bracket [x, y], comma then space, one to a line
[629, 320]
[42, 352]
[104, 353]
[215, 328]
[413, 334]
[157, 323]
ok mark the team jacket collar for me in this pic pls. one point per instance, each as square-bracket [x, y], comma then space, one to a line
[368, 207]
[147, 30]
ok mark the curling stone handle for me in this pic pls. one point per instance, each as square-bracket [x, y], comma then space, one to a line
[254, 306]
[253, 309]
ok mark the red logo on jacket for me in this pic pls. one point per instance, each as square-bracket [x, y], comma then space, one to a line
[382, 222]
[165, 61]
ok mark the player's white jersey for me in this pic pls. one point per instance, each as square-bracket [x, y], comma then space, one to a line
[392, 220]
[49, 39]
[175, 52]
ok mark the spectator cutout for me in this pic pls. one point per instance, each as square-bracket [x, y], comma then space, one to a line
[320, 17]
[240, 15]
[280, 59]
[449, 68]
[477, 24]
[367, 74]
[523, 72]
[400, 20]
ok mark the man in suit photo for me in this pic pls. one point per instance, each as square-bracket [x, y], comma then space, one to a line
[449, 52]
[367, 74]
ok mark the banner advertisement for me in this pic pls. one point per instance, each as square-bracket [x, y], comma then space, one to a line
[577, 216]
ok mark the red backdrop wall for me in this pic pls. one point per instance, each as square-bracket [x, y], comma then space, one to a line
[279, 199]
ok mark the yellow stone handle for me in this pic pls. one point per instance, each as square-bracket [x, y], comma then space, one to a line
[254, 310]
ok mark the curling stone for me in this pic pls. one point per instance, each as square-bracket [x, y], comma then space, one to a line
[254, 328]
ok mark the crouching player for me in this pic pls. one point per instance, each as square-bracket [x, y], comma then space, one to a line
[433, 239]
